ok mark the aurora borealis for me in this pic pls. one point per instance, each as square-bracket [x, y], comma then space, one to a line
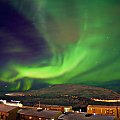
[60, 41]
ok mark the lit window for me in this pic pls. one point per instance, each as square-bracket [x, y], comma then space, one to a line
[30, 117]
[111, 112]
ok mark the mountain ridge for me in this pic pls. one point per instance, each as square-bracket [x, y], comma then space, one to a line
[78, 90]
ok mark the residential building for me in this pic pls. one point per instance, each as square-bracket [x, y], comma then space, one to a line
[84, 116]
[12, 103]
[104, 110]
[8, 112]
[34, 114]
[56, 108]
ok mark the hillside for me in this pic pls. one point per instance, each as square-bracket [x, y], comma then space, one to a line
[75, 90]
[78, 96]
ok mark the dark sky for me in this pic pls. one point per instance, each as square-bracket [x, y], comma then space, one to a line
[19, 42]
[56, 42]
[19, 39]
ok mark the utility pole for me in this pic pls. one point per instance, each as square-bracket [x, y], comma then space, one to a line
[117, 112]
[39, 104]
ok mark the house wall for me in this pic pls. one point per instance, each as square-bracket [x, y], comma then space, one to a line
[109, 111]
[4, 115]
[13, 114]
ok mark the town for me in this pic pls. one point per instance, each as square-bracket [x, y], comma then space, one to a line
[14, 110]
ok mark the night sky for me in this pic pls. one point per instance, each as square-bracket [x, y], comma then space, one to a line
[45, 42]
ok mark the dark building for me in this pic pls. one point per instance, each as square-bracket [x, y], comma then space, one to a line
[84, 116]
[8, 112]
[34, 114]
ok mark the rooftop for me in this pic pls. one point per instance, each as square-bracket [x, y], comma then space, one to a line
[5, 108]
[76, 116]
[103, 106]
[43, 113]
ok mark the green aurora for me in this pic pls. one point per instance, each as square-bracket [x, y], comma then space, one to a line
[83, 38]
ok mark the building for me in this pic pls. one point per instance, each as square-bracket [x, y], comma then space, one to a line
[12, 103]
[84, 116]
[70, 116]
[34, 114]
[56, 108]
[104, 110]
[8, 112]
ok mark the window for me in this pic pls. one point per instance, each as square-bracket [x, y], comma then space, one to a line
[93, 111]
[2, 116]
[111, 112]
[21, 116]
[107, 112]
[30, 118]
